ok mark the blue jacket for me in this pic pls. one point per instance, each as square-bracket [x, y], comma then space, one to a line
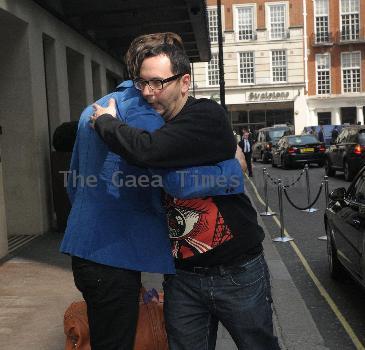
[114, 219]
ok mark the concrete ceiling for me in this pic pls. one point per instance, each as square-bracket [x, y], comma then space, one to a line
[113, 24]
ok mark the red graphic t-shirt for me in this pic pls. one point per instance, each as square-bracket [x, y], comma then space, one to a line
[195, 225]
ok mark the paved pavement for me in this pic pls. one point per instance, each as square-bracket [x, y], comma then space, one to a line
[36, 286]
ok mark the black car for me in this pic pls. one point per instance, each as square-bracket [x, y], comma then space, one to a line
[347, 154]
[266, 138]
[296, 149]
[344, 221]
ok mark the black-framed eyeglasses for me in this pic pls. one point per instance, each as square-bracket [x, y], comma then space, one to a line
[154, 84]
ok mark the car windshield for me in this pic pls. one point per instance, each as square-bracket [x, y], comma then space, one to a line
[362, 137]
[275, 135]
[302, 140]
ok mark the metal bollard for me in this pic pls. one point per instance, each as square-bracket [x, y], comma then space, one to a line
[309, 210]
[266, 212]
[282, 238]
[326, 193]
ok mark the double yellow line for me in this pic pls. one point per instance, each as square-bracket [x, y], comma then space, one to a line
[318, 284]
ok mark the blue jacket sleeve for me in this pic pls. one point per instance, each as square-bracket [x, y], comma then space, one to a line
[213, 180]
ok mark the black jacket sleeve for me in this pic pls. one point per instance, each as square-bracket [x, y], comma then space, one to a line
[200, 134]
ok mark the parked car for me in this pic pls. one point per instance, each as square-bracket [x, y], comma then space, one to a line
[344, 221]
[347, 154]
[296, 149]
[327, 132]
[266, 138]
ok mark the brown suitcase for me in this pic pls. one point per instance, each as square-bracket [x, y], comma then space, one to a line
[150, 334]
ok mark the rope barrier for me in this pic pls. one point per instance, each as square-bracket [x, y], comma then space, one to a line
[275, 181]
[309, 205]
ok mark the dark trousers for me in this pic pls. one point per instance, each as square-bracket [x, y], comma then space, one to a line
[248, 161]
[112, 297]
[239, 296]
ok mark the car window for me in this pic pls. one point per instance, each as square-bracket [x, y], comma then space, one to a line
[357, 192]
[341, 138]
[302, 140]
[352, 136]
[361, 138]
[276, 134]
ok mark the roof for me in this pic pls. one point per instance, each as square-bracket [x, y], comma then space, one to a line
[113, 24]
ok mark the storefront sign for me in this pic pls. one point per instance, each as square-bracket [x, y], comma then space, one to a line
[268, 96]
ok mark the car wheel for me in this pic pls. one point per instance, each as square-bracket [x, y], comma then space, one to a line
[336, 269]
[328, 169]
[349, 175]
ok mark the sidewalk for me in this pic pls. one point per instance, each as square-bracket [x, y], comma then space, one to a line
[36, 286]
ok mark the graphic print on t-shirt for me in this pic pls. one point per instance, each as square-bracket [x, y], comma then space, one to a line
[195, 226]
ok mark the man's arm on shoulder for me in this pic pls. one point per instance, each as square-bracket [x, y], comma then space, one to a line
[223, 178]
[200, 135]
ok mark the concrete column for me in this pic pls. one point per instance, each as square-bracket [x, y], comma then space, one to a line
[38, 181]
[103, 82]
[313, 119]
[360, 115]
[62, 83]
[3, 228]
[336, 116]
[89, 94]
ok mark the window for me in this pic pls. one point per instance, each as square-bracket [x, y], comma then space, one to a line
[321, 21]
[245, 23]
[350, 63]
[277, 18]
[278, 66]
[350, 17]
[213, 70]
[247, 71]
[323, 74]
[213, 25]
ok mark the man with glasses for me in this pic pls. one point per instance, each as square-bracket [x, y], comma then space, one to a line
[221, 274]
[117, 229]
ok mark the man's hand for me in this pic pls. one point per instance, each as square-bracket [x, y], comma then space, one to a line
[99, 110]
[241, 158]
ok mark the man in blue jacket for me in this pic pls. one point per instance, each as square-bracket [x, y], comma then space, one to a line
[116, 228]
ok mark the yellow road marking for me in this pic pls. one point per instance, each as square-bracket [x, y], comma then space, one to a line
[318, 284]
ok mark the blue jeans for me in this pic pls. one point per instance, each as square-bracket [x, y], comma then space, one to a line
[238, 296]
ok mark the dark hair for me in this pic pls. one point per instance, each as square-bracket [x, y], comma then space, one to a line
[180, 63]
[141, 45]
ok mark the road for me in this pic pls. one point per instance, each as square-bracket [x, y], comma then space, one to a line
[336, 326]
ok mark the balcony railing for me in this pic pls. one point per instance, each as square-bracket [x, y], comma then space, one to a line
[347, 36]
[322, 39]
[247, 36]
[285, 34]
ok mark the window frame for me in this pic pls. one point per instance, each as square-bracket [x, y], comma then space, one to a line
[329, 70]
[239, 68]
[210, 8]
[271, 67]
[236, 7]
[315, 22]
[340, 21]
[342, 77]
[207, 70]
[268, 5]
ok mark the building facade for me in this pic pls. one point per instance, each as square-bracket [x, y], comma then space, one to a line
[336, 61]
[263, 62]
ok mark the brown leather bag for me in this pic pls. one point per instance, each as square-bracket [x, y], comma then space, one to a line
[150, 334]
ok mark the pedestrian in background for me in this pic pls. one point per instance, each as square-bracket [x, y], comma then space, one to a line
[246, 146]
[321, 134]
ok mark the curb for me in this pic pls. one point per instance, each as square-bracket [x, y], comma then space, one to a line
[293, 323]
